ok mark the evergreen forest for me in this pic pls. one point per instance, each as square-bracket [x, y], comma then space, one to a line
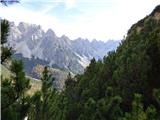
[125, 85]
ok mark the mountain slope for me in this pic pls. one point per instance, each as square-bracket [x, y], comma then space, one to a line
[32, 42]
[125, 85]
[35, 84]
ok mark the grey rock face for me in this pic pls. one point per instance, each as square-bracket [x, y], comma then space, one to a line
[71, 55]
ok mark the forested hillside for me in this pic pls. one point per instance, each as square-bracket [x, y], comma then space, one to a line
[125, 85]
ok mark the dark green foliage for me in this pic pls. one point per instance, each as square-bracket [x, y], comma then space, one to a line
[42, 101]
[14, 102]
[125, 85]
[70, 84]
[157, 9]
[138, 112]
[47, 82]
[4, 31]
[6, 52]
[20, 82]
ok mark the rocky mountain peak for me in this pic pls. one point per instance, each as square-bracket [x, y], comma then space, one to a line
[23, 27]
[71, 55]
[64, 37]
[50, 32]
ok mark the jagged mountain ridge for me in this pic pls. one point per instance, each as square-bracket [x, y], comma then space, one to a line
[32, 41]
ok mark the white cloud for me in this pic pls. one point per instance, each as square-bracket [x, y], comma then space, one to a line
[18, 14]
[102, 23]
[112, 23]
[70, 3]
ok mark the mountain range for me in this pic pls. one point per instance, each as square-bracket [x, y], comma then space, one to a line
[38, 47]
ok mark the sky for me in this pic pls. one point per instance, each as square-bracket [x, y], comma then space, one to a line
[91, 19]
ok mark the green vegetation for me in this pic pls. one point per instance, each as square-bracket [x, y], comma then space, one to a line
[6, 52]
[35, 84]
[14, 84]
[125, 85]
[5, 72]
[14, 101]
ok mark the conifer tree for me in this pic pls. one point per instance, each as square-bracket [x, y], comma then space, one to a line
[15, 103]
[6, 52]
[43, 101]
[8, 2]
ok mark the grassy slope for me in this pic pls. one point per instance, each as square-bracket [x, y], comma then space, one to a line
[35, 84]
[5, 72]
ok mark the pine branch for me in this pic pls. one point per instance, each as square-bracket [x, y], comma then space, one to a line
[6, 2]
